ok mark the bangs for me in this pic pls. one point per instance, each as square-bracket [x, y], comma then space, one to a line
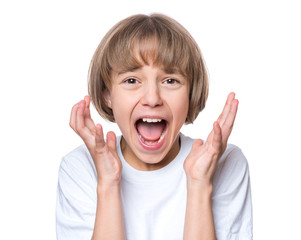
[149, 42]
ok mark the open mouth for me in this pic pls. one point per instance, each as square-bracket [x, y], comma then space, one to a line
[151, 132]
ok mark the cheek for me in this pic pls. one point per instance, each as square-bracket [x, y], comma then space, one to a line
[122, 106]
[180, 109]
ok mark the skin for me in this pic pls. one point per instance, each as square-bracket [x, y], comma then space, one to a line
[199, 167]
[151, 93]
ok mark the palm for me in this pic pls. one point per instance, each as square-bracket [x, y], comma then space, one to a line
[201, 161]
[104, 154]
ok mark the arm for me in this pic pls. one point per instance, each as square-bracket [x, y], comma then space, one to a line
[109, 219]
[199, 222]
[199, 167]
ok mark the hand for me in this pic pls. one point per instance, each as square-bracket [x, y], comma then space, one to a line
[105, 157]
[201, 162]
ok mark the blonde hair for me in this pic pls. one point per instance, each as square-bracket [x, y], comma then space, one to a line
[157, 38]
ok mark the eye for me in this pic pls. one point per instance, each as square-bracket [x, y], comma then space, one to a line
[171, 81]
[130, 81]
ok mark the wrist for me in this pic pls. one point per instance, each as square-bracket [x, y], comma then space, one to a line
[107, 187]
[200, 188]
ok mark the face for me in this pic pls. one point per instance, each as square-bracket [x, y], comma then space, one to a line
[150, 106]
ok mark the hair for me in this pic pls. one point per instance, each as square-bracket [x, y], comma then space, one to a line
[155, 38]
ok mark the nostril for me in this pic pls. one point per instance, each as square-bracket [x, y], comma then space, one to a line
[152, 99]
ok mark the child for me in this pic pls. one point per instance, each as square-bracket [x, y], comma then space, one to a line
[148, 76]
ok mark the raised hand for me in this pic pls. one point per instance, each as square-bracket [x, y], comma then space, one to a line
[105, 157]
[202, 159]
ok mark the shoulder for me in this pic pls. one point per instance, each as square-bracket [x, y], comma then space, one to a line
[231, 171]
[80, 156]
[76, 195]
[231, 198]
[77, 164]
[233, 158]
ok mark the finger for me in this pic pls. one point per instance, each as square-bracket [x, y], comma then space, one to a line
[217, 137]
[87, 100]
[195, 151]
[99, 140]
[72, 117]
[229, 122]
[197, 145]
[87, 108]
[87, 116]
[221, 119]
[80, 126]
[210, 136]
[111, 141]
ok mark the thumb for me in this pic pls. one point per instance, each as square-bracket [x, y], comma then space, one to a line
[197, 143]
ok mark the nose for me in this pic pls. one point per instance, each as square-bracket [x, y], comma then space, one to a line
[151, 96]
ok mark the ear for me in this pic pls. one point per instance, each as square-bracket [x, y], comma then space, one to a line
[107, 97]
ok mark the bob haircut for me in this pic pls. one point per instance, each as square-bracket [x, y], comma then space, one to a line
[157, 39]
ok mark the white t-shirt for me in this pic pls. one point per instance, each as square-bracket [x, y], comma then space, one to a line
[154, 202]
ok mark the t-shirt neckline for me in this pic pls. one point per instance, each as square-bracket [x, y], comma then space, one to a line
[131, 174]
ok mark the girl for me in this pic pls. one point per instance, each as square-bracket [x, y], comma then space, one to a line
[148, 76]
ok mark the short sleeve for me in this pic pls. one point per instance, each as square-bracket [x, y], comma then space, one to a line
[231, 200]
[76, 196]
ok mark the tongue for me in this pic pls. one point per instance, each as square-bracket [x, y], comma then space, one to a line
[150, 131]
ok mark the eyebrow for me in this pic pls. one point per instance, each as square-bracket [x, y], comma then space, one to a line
[133, 69]
[166, 70]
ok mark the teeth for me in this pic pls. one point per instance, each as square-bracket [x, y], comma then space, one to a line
[151, 120]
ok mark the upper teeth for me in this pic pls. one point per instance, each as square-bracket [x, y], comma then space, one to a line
[151, 120]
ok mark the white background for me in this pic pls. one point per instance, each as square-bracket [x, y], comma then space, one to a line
[250, 47]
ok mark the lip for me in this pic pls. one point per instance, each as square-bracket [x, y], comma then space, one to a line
[160, 143]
